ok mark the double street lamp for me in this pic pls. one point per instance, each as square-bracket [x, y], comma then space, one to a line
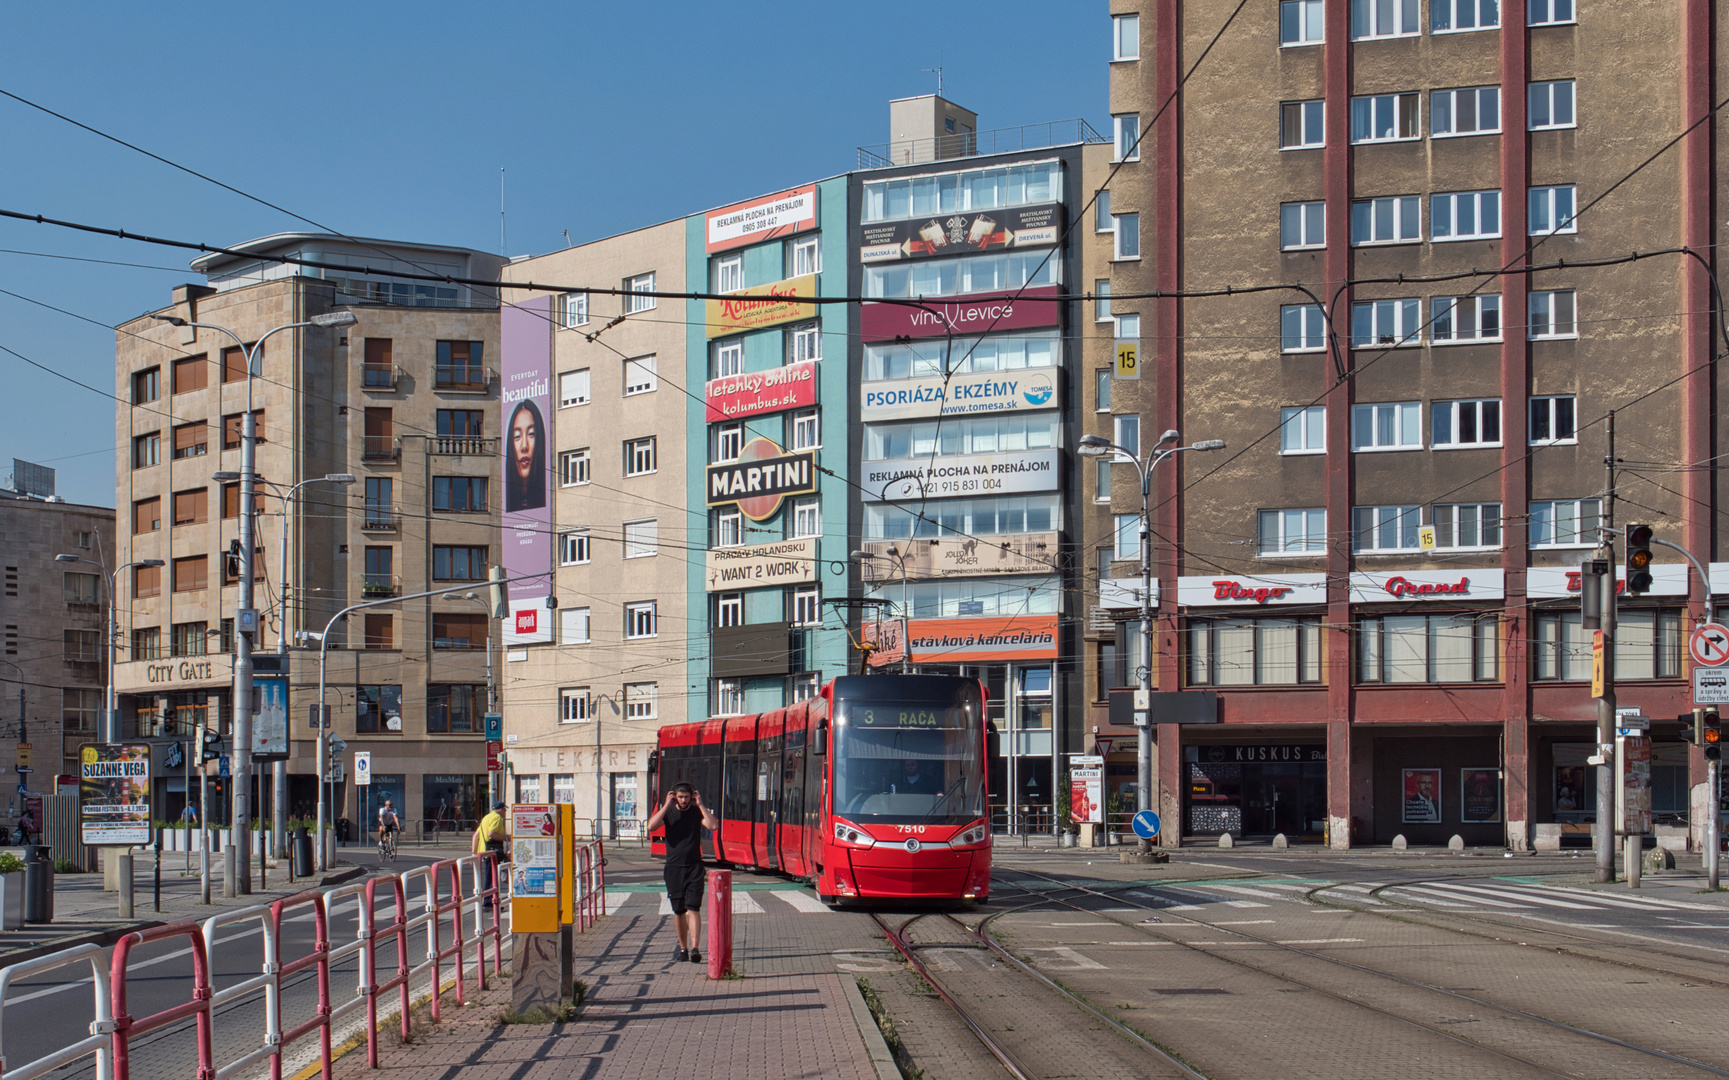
[1098, 446]
[109, 730]
[245, 615]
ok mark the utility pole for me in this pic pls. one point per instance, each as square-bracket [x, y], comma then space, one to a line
[1603, 830]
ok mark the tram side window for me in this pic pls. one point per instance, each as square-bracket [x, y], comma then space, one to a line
[739, 789]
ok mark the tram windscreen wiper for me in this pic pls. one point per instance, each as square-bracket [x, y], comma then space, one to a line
[961, 783]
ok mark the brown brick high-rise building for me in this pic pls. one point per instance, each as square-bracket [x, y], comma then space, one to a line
[1373, 680]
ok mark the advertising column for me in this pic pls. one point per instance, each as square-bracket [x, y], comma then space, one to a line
[525, 332]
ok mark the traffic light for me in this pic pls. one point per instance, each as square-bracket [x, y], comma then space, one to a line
[1712, 735]
[1693, 727]
[1638, 559]
[209, 745]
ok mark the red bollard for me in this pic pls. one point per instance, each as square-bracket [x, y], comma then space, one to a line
[719, 923]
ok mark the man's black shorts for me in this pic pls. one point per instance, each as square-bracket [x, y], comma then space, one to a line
[684, 886]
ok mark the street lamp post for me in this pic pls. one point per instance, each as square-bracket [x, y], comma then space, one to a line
[245, 615]
[109, 730]
[1098, 446]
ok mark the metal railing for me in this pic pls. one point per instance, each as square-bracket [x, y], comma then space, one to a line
[460, 377]
[376, 520]
[975, 143]
[379, 448]
[379, 376]
[381, 585]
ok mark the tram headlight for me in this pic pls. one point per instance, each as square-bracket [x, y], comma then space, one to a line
[971, 836]
[850, 835]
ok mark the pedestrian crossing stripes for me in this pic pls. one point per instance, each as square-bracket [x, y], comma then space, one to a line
[1489, 895]
[743, 903]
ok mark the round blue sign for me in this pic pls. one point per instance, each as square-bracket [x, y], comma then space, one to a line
[1146, 824]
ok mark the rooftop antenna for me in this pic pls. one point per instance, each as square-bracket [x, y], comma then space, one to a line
[501, 211]
[939, 72]
[568, 242]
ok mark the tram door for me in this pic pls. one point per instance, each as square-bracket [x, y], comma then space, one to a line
[768, 804]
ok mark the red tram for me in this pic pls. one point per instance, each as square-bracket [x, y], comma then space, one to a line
[874, 789]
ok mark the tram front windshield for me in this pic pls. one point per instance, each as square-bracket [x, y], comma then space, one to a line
[910, 762]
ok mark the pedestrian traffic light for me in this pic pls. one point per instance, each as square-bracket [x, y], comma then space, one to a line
[1712, 735]
[233, 560]
[1638, 559]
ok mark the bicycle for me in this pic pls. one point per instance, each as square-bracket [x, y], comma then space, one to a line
[387, 845]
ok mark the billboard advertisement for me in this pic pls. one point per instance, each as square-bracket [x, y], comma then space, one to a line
[114, 793]
[763, 475]
[1025, 553]
[1087, 790]
[753, 566]
[270, 726]
[972, 394]
[970, 474]
[975, 640]
[977, 314]
[960, 234]
[525, 393]
[732, 397]
[760, 306]
[767, 218]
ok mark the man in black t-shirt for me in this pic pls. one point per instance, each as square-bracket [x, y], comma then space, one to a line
[685, 817]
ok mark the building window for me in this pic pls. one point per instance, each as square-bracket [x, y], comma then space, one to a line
[639, 456]
[573, 310]
[1102, 480]
[1102, 300]
[1427, 649]
[191, 507]
[573, 705]
[728, 697]
[639, 375]
[187, 638]
[380, 502]
[1385, 528]
[959, 192]
[729, 609]
[463, 493]
[1302, 225]
[378, 710]
[574, 548]
[729, 273]
[806, 686]
[1291, 532]
[1452, 16]
[1566, 523]
[1648, 645]
[1303, 430]
[147, 450]
[458, 562]
[1128, 136]
[1125, 37]
[641, 538]
[1552, 420]
[146, 386]
[1553, 314]
[81, 646]
[1102, 390]
[1386, 322]
[1385, 118]
[574, 625]
[1384, 18]
[639, 700]
[190, 574]
[380, 571]
[234, 364]
[636, 287]
[804, 343]
[146, 581]
[1128, 232]
[147, 641]
[460, 365]
[1254, 652]
[1128, 536]
[1301, 22]
[528, 789]
[191, 440]
[929, 278]
[192, 373]
[1465, 318]
[465, 423]
[1550, 105]
[1465, 215]
[1391, 426]
[1548, 12]
[1551, 210]
[1467, 525]
[460, 629]
[573, 388]
[1465, 423]
[1128, 434]
[147, 515]
[806, 429]
[1302, 328]
[806, 518]
[728, 359]
[807, 606]
[1129, 326]
[803, 256]
[573, 467]
[1102, 220]
[455, 709]
[1301, 125]
[233, 430]
[378, 631]
[1395, 219]
[728, 528]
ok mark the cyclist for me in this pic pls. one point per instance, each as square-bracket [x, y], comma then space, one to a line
[388, 825]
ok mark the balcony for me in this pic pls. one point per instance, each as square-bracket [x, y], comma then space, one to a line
[380, 448]
[380, 520]
[461, 378]
[377, 585]
[379, 376]
[973, 143]
[462, 445]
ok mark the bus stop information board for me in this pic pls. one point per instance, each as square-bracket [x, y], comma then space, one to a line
[114, 793]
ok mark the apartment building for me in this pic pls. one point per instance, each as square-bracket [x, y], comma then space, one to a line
[1375, 578]
[376, 456]
[54, 648]
[597, 645]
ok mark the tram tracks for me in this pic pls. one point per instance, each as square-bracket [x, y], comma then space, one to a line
[1113, 894]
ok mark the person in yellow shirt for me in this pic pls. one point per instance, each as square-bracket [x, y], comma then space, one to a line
[490, 837]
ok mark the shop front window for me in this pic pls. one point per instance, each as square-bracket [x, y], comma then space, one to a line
[452, 802]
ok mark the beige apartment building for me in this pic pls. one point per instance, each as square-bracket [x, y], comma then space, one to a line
[400, 408]
[53, 646]
[582, 709]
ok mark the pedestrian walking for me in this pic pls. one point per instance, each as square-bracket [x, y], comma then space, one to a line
[490, 836]
[27, 828]
[685, 817]
[189, 814]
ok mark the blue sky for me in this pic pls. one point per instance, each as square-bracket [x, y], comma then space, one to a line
[394, 121]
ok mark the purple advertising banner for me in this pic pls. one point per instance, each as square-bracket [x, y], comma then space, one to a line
[525, 407]
[976, 314]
